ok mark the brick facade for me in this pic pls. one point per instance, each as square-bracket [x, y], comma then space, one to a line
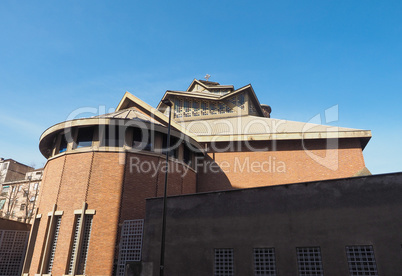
[109, 187]
[287, 162]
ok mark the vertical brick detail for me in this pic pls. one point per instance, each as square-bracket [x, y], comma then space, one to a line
[61, 179]
[89, 177]
[104, 195]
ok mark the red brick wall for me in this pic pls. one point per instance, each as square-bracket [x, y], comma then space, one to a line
[107, 185]
[285, 162]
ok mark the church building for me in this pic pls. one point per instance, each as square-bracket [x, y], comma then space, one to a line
[103, 173]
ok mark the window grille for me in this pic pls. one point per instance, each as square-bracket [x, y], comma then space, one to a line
[212, 108]
[178, 108]
[74, 245]
[196, 108]
[130, 243]
[53, 244]
[85, 245]
[204, 108]
[241, 100]
[252, 109]
[223, 262]
[221, 108]
[12, 249]
[264, 262]
[233, 100]
[187, 105]
[309, 261]
[361, 260]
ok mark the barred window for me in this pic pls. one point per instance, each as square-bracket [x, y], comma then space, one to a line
[178, 108]
[53, 244]
[241, 100]
[252, 109]
[264, 262]
[204, 108]
[361, 260]
[309, 261]
[12, 244]
[233, 100]
[221, 108]
[74, 245]
[85, 244]
[196, 108]
[223, 262]
[130, 243]
[212, 108]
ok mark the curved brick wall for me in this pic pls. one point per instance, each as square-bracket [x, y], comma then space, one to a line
[112, 189]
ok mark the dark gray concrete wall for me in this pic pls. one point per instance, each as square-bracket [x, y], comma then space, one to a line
[330, 214]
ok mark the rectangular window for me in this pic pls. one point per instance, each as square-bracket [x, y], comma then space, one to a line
[130, 243]
[22, 207]
[187, 105]
[63, 143]
[361, 260]
[240, 100]
[2, 201]
[5, 189]
[264, 262]
[141, 139]
[309, 261]
[213, 108]
[221, 108]
[85, 137]
[53, 244]
[196, 108]
[223, 265]
[12, 244]
[178, 108]
[85, 245]
[74, 249]
[204, 108]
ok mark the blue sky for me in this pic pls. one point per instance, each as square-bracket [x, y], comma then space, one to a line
[301, 57]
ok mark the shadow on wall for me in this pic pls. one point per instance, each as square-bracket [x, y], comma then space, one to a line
[211, 177]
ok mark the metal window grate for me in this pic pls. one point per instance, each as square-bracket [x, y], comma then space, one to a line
[264, 261]
[309, 261]
[85, 245]
[12, 249]
[74, 245]
[54, 244]
[361, 260]
[223, 262]
[130, 243]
